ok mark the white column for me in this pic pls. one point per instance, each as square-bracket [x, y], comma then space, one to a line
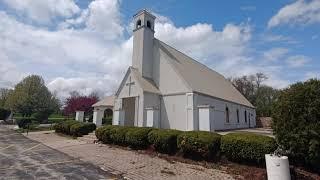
[97, 117]
[152, 117]
[118, 117]
[79, 116]
[206, 118]
[191, 124]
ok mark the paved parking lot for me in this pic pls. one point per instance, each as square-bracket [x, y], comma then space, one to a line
[23, 158]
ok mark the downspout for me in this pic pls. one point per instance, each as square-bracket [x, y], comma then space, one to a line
[160, 96]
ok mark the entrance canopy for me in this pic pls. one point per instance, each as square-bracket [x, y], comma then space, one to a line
[100, 107]
[106, 102]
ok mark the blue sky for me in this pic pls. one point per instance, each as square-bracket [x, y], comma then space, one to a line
[86, 45]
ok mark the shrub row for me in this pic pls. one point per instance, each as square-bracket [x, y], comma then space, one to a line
[126, 136]
[247, 147]
[24, 122]
[4, 113]
[164, 140]
[74, 128]
[199, 144]
[239, 147]
[193, 144]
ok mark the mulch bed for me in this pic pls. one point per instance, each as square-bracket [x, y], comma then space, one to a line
[239, 171]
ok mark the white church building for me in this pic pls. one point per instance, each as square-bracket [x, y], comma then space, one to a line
[167, 89]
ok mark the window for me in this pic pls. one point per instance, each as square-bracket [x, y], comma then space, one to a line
[245, 116]
[138, 23]
[149, 24]
[238, 116]
[227, 115]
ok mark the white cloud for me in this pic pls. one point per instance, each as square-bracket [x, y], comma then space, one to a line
[227, 51]
[297, 61]
[301, 12]
[88, 52]
[314, 37]
[204, 43]
[101, 17]
[275, 54]
[278, 38]
[312, 75]
[10, 73]
[84, 85]
[104, 17]
[44, 11]
[68, 53]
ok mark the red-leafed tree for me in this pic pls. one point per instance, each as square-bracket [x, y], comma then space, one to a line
[77, 102]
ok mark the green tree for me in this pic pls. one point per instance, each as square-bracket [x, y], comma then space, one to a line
[32, 96]
[296, 122]
[4, 93]
[261, 96]
[4, 113]
[264, 100]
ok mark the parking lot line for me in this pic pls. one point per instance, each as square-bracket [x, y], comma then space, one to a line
[6, 147]
[53, 163]
[31, 148]
[9, 135]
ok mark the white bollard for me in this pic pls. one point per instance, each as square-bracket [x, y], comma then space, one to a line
[277, 167]
[79, 116]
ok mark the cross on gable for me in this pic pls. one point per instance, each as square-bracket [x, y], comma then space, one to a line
[130, 83]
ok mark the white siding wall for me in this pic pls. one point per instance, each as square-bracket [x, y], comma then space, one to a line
[164, 76]
[220, 113]
[173, 112]
[150, 100]
[135, 91]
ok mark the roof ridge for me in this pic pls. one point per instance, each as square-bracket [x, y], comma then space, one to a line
[185, 61]
[193, 60]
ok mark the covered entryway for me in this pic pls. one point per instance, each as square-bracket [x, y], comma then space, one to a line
[103, 110]
[129, 110]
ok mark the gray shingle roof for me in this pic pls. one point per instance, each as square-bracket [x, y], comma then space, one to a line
[107, 101]
[146, 84]
[202, 79]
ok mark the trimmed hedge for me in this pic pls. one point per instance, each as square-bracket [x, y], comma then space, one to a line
[64, 127]
[192, 144]
[24, 122]
[199, 144]
[138, 137]
[80, 129]
[247, 147]
[164, 140]
[74, 128]
[118, 134]
[4, 113]
[103, 133]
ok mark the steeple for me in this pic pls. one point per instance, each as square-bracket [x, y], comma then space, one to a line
[143, 35]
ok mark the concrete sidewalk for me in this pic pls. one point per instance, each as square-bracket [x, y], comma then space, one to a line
[260, 131]
[127, 163]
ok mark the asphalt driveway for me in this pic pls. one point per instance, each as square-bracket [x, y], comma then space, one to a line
[23, 158]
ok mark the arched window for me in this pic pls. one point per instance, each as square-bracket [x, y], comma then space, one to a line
[238, 119]
[149, 24]
[245, 116]
[227, 115]
[138, 23]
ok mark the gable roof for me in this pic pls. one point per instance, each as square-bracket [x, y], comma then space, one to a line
[202, 79]
[147, 85]
[107, 101]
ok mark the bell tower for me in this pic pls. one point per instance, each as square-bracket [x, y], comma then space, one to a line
[143, 35]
